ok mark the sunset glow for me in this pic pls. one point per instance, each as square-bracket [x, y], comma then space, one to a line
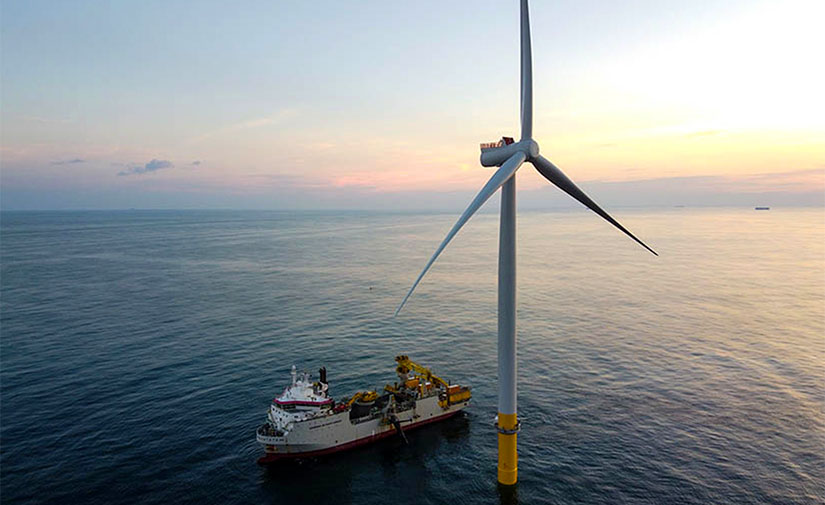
[284, 109]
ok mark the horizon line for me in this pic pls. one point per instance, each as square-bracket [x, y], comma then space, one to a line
[407, 210]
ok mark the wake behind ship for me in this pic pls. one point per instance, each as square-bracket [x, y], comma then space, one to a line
[305, 421]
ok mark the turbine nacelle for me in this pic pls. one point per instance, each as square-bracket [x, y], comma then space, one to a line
[494, 154]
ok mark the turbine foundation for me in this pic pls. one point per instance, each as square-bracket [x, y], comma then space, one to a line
[507, 454]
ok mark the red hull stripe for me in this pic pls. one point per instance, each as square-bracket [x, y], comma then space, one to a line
[273, 457]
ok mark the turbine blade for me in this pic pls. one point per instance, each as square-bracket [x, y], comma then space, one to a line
[507, 170]
[526, 75]
[553, 174]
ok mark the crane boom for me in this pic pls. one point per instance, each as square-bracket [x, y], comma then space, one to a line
[406, 365]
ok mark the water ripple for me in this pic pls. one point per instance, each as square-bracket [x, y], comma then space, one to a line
[140, 350]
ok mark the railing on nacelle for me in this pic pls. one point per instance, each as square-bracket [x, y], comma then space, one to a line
[505, 141]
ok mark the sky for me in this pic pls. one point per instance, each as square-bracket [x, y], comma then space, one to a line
[382, 105]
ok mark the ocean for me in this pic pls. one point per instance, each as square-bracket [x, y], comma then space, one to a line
[139, 351]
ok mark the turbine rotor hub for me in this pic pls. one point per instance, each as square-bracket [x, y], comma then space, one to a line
[530, 148]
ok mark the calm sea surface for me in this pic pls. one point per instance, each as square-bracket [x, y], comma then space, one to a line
[140, 351]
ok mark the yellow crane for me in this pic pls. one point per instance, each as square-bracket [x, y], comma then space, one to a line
[406, 365]
[451, 395]
[364, 396]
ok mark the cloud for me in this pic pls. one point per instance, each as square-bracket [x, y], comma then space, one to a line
[252, 123]
[47, 120]
[704, 133]
[68, 162]
[249, 124]
[152, 166]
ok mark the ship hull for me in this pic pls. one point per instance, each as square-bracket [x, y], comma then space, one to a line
[270, 458]
[337, 432]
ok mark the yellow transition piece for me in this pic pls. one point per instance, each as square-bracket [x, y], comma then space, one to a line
[507, 456]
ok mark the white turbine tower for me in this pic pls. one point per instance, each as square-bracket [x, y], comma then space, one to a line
[510, 156]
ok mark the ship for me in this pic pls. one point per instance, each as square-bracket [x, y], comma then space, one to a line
[305, 421]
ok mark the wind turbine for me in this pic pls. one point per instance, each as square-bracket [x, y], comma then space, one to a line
[510, 156]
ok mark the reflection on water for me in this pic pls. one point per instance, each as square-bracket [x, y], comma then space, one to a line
[140, 351]
[338, 476]
[507, 495]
